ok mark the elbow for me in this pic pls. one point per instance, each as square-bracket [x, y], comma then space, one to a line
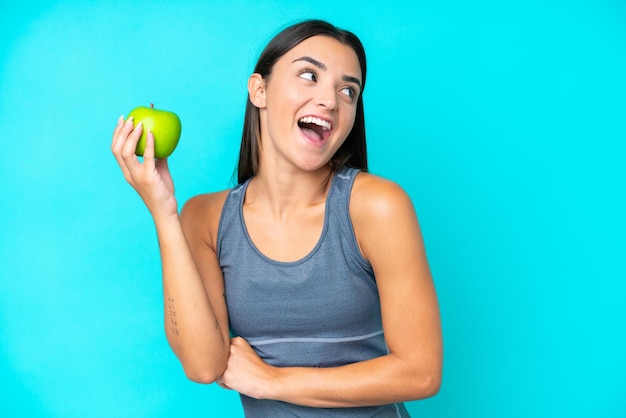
[202, 371]
[430, 386]
[427, 378]
[202, 366]
[424, 385]
[204, 374]
[200, 377]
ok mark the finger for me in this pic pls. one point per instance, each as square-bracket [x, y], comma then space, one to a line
[131, 162]
[118, 128]
[120, 124]
[236, 340]
[128, 150]
[148, 152]
[122, 136]
[162, 162]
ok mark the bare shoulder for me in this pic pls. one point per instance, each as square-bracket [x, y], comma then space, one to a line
[380, 209]
[375, 197]
[206, 204]
[200, 217]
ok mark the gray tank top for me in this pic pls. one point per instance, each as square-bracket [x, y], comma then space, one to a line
[320, 311]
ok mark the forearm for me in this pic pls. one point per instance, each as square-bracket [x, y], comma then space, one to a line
[191, 324]
[379, 381]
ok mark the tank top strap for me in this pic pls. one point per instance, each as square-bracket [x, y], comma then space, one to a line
[341, 188]
[339, 206]
[231, 215]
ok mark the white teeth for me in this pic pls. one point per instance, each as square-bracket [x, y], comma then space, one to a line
[320, 122]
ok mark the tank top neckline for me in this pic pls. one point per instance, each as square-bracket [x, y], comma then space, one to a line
[320, 240]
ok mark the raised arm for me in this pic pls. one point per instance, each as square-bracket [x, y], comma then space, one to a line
[389, 236]
[195, 313]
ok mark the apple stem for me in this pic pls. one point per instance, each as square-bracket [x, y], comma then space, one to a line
[151, 105]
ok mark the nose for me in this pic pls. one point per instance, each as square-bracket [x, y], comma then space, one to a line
[326, 97]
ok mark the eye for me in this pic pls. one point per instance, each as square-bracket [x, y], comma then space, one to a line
[349, 91]
[308, 74]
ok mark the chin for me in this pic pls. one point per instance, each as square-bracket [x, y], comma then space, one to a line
[313, 161]
[312, 166]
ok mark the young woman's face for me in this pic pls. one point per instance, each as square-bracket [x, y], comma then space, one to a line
[310, 103]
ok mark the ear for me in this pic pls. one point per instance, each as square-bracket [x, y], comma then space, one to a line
[256, 90]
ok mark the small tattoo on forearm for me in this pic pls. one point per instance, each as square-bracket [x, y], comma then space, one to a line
[172, 315]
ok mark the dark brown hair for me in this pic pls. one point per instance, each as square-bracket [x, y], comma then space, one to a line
[353, 151]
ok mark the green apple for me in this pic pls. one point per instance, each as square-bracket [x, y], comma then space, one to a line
[164, 125]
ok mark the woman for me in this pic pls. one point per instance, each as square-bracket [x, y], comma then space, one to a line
[316, 266]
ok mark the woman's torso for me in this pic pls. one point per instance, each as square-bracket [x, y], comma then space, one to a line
[322, 310]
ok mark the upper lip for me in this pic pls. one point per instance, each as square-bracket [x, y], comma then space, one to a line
[324, 123]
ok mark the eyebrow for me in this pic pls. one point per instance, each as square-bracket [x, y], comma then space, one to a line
[323, 67]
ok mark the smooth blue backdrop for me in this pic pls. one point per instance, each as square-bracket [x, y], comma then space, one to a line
[504, 120]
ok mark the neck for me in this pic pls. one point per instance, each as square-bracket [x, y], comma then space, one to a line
[281, 192]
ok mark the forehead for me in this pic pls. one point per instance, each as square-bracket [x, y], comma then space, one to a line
[332, 53]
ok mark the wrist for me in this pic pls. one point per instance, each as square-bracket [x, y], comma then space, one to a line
[165, 223]
[162, 211]
[275, 387]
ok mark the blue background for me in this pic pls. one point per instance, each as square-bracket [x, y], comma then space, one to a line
[505, 121]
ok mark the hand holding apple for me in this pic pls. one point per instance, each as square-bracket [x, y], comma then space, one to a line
[151, 177]
[164, 125]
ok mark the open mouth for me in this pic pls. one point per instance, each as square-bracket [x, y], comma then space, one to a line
[314, 128]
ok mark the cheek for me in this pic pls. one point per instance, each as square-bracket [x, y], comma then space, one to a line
[282, 106]
[287, 94]
[349, 116]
